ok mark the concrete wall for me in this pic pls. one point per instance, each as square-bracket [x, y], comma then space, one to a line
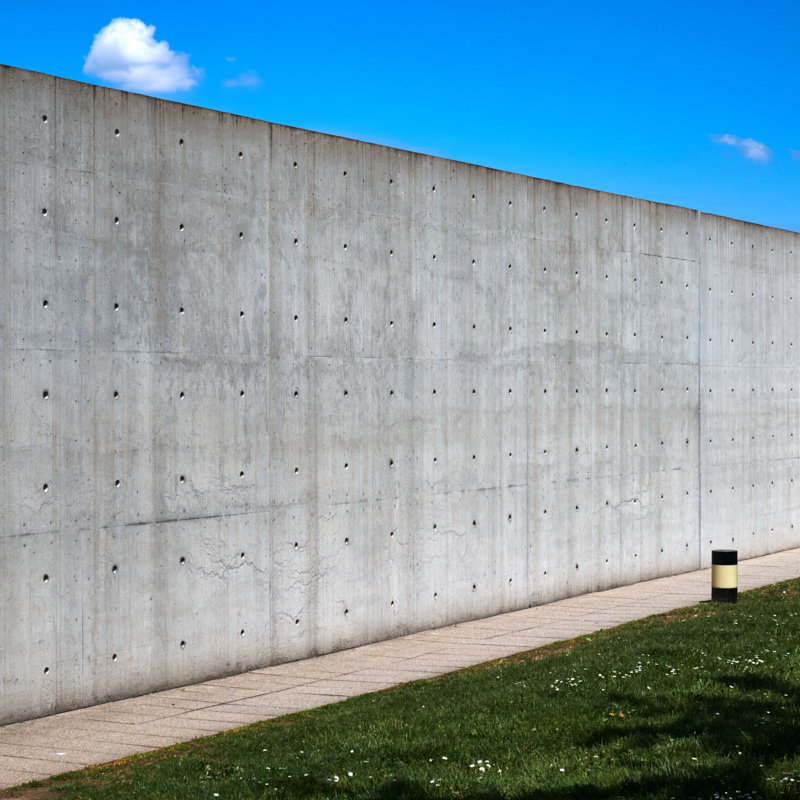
[268, 393]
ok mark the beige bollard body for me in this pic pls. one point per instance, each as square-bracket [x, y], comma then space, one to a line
[724, 576]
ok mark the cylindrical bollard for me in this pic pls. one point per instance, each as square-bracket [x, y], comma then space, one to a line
[724, 576]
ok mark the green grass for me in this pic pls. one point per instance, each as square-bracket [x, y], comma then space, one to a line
[698, 703]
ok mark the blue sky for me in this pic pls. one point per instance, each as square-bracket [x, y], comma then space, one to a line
[691, 103]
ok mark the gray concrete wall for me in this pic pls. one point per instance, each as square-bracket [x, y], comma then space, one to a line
[268, 393]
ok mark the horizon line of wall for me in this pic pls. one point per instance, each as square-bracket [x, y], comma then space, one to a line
[268, 393]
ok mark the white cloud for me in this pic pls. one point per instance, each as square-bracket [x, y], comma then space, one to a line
[126, 53]
[795, 153]
[749, 148]
[249, 80]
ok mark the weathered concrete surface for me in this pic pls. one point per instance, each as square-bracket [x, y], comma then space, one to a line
[268, 393]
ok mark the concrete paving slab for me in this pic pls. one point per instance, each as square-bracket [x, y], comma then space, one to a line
[292, 700]
[259, 682]
[13, 733]
[327, 689]
[400, 673]
[210, 693]
[480, 653]
[83, 751]
[42, 753]
[410, 646]
[371, 681]
[567, 631]
[131, 717]
[31, 750]
[559, 614]
[521, 641]
[386, 650]
[301, 671]
[340, 661]
[244, 710]
[177, 733]
[186, 728]
[267, 712]
[222, 715]
[553, 620]
[87, 728]
[464, 634]
[463, 638]
[177, 704]
[355, 684]
[81, 729]
[37, 765]
[16, 777]
[681, 600]
[469, 653]
[33, 727]
[613, 620]
[267, 709]
[447, 662]
[508, 622]
[136, 737]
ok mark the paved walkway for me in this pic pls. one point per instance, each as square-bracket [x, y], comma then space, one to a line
[40, 748]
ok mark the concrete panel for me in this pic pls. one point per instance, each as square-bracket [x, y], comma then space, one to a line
[269, 393]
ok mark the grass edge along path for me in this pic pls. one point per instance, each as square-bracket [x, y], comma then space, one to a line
[701, 702]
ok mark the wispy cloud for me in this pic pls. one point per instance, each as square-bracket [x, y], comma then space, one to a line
[795, 153]
[125, 53]
[749, 148]
[247, 80]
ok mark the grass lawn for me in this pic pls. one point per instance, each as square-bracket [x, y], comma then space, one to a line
[699, 703]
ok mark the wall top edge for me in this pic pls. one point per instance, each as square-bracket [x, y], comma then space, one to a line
[20, 73]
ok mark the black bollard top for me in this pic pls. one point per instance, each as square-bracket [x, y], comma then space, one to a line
[725, 557]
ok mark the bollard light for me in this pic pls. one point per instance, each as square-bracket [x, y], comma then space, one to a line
[724, 576]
